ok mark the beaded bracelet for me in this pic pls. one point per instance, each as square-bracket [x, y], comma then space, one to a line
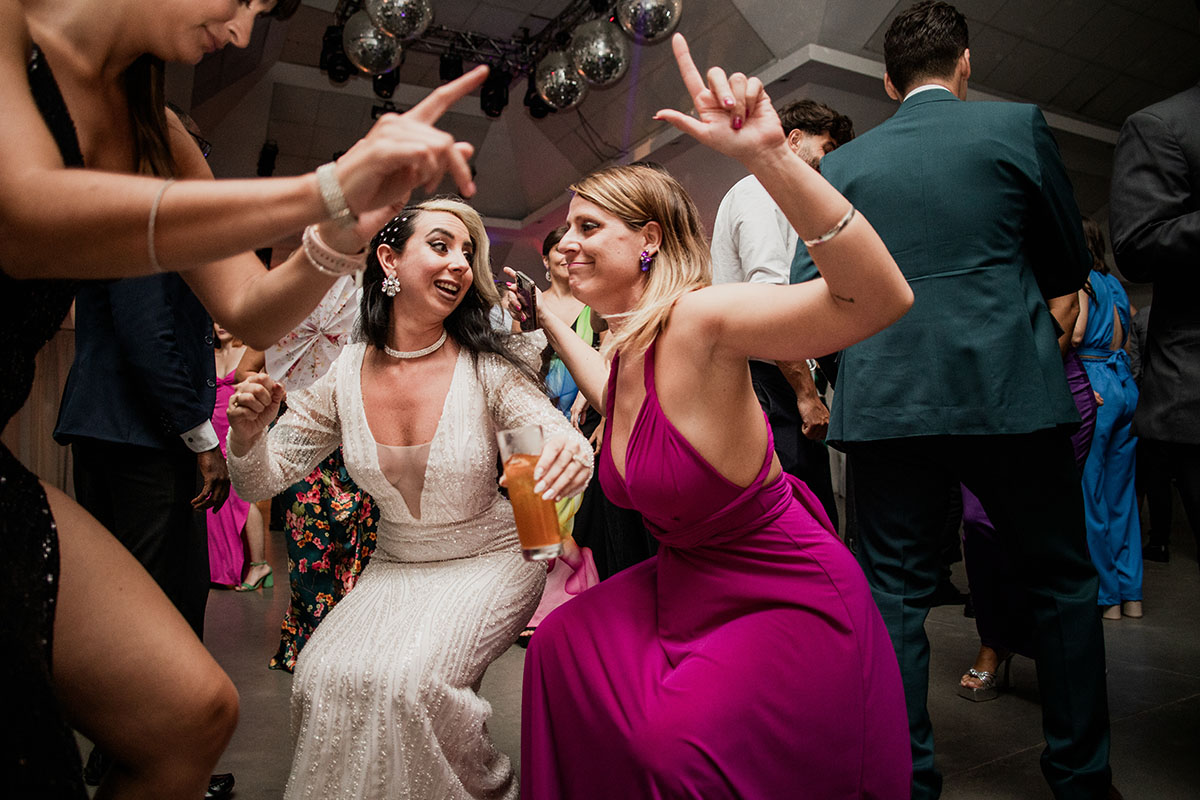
[832, 232]
[328, 261]
[333, 197]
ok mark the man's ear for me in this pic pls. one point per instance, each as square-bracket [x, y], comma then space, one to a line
[794, 138]
[890, 88]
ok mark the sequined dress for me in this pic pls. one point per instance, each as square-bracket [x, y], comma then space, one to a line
[37, 748]
[384, 701]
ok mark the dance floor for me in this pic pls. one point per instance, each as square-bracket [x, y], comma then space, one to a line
[987, 751]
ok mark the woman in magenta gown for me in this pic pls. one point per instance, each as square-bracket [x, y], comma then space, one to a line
[746, 659]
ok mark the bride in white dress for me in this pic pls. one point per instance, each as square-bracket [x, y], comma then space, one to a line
[384, 700]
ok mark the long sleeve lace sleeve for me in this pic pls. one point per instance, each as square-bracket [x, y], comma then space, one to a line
[514, 401]
[308, 431]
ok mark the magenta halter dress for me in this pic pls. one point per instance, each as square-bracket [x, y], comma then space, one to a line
[746, 660]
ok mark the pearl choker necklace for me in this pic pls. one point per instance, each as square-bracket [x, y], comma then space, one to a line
[424, 351]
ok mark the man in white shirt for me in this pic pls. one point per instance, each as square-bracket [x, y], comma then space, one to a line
[753, 243]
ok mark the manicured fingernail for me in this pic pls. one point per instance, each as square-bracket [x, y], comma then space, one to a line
[539, 487]
[729, 101]
[737, 123]
[549, 496]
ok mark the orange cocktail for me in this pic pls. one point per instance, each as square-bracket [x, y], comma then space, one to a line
[537, 518]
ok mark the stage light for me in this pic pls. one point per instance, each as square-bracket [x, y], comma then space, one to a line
[538, 108]
[333, 59]
[385, 84]
[450, 66]
[493, 95]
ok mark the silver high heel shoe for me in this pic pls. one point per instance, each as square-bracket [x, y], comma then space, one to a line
[987, 690]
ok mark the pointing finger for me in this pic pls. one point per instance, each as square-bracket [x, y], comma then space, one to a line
[687, 68]
[441, 98]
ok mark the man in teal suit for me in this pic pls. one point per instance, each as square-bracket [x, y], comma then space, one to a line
[974, 203]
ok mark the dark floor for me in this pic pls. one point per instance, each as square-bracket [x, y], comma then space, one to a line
[986, 750]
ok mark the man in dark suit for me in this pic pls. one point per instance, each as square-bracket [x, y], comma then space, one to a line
[974, 203]
[137, 412]
[1155, 227]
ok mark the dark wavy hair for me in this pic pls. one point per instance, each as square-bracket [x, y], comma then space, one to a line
[924, 41]
[816, 118]
[469, 323]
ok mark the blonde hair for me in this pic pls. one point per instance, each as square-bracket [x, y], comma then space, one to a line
[638, 195]
[481, 266]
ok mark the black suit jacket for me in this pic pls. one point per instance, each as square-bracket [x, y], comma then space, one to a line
[144, 371]
[1155, 226]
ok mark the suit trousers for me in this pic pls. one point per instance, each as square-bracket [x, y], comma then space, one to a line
[143, 495]
[1178, 461]
[798, 455]
[1029, 486]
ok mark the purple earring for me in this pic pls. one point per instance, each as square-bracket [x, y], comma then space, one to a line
[647, 259]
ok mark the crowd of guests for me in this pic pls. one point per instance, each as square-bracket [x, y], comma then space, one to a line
[707, 633]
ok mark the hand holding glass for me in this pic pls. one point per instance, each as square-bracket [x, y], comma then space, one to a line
[537, 518]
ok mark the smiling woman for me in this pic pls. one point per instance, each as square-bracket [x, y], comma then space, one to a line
[383, 695]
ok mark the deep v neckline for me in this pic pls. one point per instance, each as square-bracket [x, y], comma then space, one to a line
[362, 410]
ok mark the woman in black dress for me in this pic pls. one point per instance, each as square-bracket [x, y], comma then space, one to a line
[126, 669]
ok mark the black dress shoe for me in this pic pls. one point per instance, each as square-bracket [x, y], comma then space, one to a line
[97, 765]
[1156, 552]
[219, 786]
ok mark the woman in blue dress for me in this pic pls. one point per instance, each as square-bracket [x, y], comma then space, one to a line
[1113, 529]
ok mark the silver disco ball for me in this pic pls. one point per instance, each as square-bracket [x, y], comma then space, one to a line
[404, 19]
[559, 82]
[600, 52]
[649, 21]
[367, 47]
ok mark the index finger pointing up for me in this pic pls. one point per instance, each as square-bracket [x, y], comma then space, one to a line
[692, 78]
[441, 98]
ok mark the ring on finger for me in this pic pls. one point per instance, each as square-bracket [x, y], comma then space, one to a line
[234, 403]
[582, 460]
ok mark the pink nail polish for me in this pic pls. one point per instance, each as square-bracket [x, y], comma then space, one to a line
[737, 123]
[728, 101]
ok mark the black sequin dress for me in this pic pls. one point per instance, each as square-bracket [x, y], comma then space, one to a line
[37, 748]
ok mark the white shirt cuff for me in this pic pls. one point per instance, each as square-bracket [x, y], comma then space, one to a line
[201, 438]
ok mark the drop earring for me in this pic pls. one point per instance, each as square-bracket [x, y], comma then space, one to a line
[646, 260]
[548, 280]
[390, 285]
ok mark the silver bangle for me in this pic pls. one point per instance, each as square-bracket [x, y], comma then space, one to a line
[332, 196]
[832, 232]
[150, 226]
[328, 261]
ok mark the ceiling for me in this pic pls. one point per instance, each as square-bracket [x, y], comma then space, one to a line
[1088, 63]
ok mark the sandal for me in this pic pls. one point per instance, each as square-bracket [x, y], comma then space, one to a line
[987, 688]
[266, 581]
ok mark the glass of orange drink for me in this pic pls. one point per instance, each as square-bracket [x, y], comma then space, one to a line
[537, 518]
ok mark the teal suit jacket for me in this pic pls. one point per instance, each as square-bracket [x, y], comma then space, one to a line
[974, 203]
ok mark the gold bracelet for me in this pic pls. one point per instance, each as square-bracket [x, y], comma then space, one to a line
[150, 227]
[832, 232]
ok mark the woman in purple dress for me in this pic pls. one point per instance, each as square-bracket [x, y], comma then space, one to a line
[747, 658]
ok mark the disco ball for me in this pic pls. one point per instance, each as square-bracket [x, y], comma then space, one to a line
[559, 82]
[649, 21]
[367, 47]
[600, 52]
[404, 19]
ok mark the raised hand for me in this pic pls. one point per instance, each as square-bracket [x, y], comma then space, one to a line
[404, 151]
[253, 406]
[734, 116]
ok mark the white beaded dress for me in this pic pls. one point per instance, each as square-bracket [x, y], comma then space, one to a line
[384, 701]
